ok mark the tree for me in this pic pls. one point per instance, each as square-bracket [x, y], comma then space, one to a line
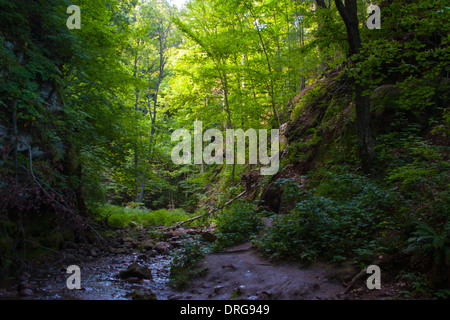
[157, 15]
[365, 137]
[366, 140]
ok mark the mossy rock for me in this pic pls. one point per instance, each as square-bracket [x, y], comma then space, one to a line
[384, 97]
[143, 295]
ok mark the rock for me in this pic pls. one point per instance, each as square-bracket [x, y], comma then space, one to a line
[142, 257]
[177, 243]
[143, 294]
[26, 285]
[218, 288]
[137, 271]
[147, 244]
[152, 253]
[134, 280]
[384, 97]
[128, 245]
[179, 232]
[264, 295]
[26, 292]
[133, 224]
[147, 255]
[26, 289]
[162, 247]
[127, 239]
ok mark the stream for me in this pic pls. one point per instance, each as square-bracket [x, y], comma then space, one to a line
[100, 267]
[133, 267]
[99, 281]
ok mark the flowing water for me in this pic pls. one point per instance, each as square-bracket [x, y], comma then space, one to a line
[99, 280]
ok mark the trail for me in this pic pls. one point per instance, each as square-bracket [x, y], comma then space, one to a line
[241, 273]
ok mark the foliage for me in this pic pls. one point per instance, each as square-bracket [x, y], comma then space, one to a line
[336, 220]
[184, 266]
[433, 241]
[236, 224]
[419, 287]
[123, 217]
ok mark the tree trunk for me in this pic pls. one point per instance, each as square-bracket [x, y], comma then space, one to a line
[136, 108]
[269, 68]
[162, 63]
[73, 170]
[366, 140]
[15, 142]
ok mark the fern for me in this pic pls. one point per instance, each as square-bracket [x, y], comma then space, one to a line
[428, 240]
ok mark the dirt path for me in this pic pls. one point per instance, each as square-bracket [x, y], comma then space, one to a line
[241, 273]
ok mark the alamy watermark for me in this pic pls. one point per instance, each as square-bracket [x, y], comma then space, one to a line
[374, 20]
[216, 152]
[74, 21]
[73, 281]
[374, 281]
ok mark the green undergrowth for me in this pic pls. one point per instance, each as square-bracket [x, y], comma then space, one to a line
[122, 217]
[338, 219]
[236, 224]
[339, 214]
[185, 262]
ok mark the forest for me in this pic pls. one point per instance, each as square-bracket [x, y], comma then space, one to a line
[144, 139]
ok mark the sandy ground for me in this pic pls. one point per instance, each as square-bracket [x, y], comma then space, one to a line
[241, 273]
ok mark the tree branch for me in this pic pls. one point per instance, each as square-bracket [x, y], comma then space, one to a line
[179, 224]
[342, 11]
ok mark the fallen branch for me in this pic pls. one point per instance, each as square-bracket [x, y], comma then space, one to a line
[378, 262]
[179, 224]
[355, 278]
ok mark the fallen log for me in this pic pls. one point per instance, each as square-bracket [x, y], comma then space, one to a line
[179, 224]
[380, 261]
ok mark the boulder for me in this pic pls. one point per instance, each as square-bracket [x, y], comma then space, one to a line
[147, 244]
[179, 232]
[26, 292]
[143, 294]
[137, 271]
[162, 247]
[152, 253]
[26, 289]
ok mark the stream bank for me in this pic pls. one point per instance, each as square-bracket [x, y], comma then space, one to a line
[133, 266]
[103, 265]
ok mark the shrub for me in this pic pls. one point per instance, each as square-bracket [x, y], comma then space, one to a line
[185, 259]
[433, 240]
[336, 220]
[236, 224]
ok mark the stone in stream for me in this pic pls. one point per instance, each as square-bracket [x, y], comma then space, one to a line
[143, 294]
[26, 289]
[162, 247]
[136, 271]
[146, 245]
